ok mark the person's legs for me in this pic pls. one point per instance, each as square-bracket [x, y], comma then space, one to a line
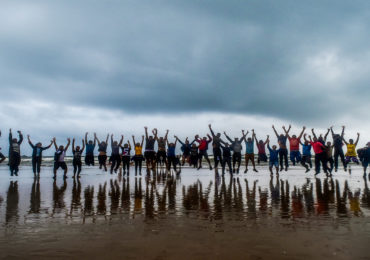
[63, 165]
[336, 157]
[292, 157]
[246, 162]
[34, 161]
[74, 163]
[251, 156]
[79, 168]
[281, 155]
[200, 159]
[303, 162]
[285, 155]
[317, 164]
[17, 161]
[207, 159]
[38, 165]
[355, 160]
[118, 163]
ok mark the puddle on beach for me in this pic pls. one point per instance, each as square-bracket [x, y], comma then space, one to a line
[191, 216]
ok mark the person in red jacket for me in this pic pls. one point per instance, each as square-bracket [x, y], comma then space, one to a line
[294, 141]
[320, 155]
[203, 147]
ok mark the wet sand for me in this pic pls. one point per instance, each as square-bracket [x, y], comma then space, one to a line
[194, 216]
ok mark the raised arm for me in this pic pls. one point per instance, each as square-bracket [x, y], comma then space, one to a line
[133, 139]
[129, 145]
[55, 143]
[276, 133]
[210, 129]
[287, 132]
[121, 141]
[10, 136]
[69, 142]
[313, 133]
[94, 140]
[305, 139]
[244, 135]
[146, 132]
[342, 131]
[326, 135]
[29, 141]
[358, 138]
[228, 138]
[155, 133]
[111, 139]
[209, 138]
[267, 139]
[47, 147]
[83, 146]
[86, 137]
[142, 141]
[20, 137]
[106, 141]
[73, 145]
[165, 137]
[97, 139]
[177, 139]
[254, 136]
[301, 134]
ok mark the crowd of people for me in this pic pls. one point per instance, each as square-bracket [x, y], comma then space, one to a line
[227, 152]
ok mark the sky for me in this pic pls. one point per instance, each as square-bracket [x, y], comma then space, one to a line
[67, 67]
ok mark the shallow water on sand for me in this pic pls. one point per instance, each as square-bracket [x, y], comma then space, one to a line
[194, 215]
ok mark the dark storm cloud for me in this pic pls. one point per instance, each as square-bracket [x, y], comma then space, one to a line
[286, 59]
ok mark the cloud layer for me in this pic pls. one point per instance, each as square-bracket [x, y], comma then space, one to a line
[302, 62]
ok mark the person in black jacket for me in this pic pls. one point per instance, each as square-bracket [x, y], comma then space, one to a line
[14, 153]
[37, 156]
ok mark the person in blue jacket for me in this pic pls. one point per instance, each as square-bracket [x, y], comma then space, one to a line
[274, 158]
[37, 156]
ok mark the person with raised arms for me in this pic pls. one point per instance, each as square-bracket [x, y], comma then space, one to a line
[149, 153]
[161, 153]
[320, 154]
[185, 148]
[249, 152]
[351, 154]
[138, 158]
[283, 151]
[237, 147]
[262, 157]
[338, 148]
[203, 148]
[226, 158]
[217, 141]
[294, 141]
[14, 152]
[90, 146]
[306, 154]
[37, 156]
[115, 156]
[59, 162]
[171, 155]
[102, 149]
[126, 157]
[321, 139]
[77, 154]
[274, 158]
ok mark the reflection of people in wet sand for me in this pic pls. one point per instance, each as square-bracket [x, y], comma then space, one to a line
[12, 200]
[35, 197]
[58, 195]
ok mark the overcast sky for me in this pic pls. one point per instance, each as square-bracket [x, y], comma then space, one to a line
[67, 67]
